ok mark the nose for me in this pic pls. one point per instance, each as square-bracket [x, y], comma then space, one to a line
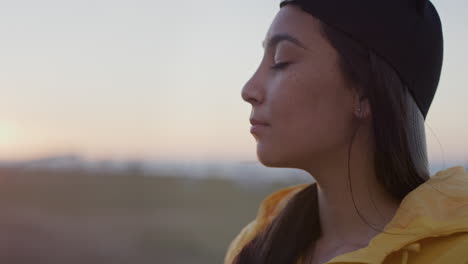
[252, 92]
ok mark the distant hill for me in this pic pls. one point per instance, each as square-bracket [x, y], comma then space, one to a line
[238, 171]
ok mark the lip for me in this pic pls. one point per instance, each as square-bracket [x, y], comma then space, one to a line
[258, 128]
[254, 122]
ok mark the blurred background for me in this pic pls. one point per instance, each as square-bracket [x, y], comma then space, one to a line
[123, 135]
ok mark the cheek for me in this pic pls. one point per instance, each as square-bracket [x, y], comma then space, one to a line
[309, 110]
[299, 100]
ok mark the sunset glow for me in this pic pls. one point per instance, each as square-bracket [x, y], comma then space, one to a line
[132, 79]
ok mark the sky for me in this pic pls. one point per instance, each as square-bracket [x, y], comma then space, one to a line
[163, 79]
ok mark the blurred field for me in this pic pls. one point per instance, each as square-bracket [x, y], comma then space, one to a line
[77, 217]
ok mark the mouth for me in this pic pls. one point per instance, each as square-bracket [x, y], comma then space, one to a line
[257, 128]
[258, 122]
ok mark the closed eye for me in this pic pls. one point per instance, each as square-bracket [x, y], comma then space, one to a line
[279, 65]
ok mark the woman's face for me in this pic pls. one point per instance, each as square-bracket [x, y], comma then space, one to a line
[304, 98]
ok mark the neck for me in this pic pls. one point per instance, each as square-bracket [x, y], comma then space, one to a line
[341, 223]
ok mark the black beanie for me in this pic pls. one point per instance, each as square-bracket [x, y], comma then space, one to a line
[405, 33]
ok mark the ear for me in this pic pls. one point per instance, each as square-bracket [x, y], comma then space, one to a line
[362, 108]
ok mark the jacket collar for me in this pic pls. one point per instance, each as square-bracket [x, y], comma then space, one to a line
[438, 207]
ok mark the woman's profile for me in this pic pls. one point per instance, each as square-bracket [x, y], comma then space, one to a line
[342, 92]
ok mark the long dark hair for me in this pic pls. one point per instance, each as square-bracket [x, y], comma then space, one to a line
[400, 153]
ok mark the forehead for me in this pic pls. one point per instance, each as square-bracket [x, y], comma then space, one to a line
[292, 20]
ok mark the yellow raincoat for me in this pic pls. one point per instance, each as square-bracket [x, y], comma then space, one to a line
[435, 215]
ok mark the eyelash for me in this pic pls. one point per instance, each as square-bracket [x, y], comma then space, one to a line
[279, 66]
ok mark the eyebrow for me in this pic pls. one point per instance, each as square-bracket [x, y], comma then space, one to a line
[277, 38]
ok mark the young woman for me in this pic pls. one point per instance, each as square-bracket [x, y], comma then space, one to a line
[342, 92]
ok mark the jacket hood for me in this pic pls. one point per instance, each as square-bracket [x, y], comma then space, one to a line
[436, 208]
[429, 226]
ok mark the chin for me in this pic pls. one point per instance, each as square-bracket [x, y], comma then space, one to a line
[269, 157]
[280, 157]
[264, 155]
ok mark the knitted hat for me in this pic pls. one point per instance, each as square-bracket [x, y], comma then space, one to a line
[405, 33]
